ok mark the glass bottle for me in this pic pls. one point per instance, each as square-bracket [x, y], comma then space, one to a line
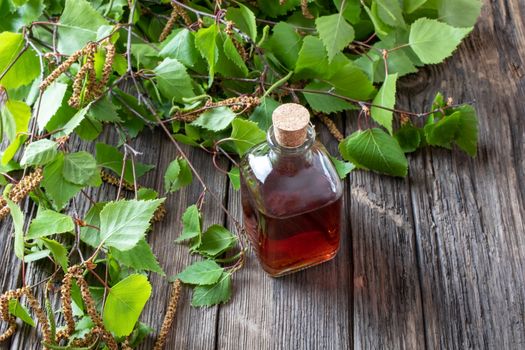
[291, 195]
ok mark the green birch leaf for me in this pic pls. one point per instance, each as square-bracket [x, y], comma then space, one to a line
[245, 135]
[140, 258]
[262, 114]
[459, 13]
[57, 188]
[230, 51]
[351, 9]
[408, 137]
[51, 101]
[201, 273]
[335, 33]
[214, 294]
[18, 310]
[386, 97]
[343, 168]
[350, 81]
[60, 253]
[433, 41]
[89, 234]
[285, 43]
[467, 136]
[38, 255]
[235, 178]
[215, 241]
[14, 117]
[74, 122]
[375, 150]
[215, 119]
[244, 19]
[124, 304]
[178, 175]
[182, 47]
[324, 103]
[124, 223]
[26, 68]
[206, 43]
[311, 61]
[173, 81]
[191, 224]
[49, 222]
[412, 5]
[443, 132]
[79, 24]
[18, 223]
[79, 167]
[390, 12]
[39, 152]
[104, 111]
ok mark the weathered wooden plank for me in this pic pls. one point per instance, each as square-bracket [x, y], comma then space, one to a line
[193, 328]
[468, 213]
[386, 291]
[307, 310]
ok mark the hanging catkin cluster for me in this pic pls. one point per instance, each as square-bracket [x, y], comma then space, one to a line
[238, 46]
[33, 303]
[169, 317]
[19, 191]
[338, 135]
[86, 88]
[176, 12]
[237, 104]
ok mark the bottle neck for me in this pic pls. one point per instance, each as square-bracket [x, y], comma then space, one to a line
[291, 151]
[287, 160]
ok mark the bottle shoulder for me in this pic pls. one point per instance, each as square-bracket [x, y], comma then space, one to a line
[282, 186]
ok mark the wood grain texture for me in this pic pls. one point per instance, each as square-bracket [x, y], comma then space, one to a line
[433, 261]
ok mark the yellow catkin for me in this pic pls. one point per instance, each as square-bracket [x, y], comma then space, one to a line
[184, 14]
[87, 70]
[169, 317]
[40, 315]
[160, 213]
[61, 69]
[4, 312]
[67, 310]
[170, 24]
[331, 127]
[115, 181]
[93, 313]
[237, 104]
[19, 191]
[305, 10]
[108, 66]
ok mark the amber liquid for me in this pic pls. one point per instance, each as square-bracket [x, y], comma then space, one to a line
[300, 223]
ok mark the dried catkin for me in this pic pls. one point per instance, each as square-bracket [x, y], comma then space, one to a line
[115, 181]
[40, 315]
[305, 10]
[87, 70]
[65, 297]
[19, 191]
[331, 127]
[108, 65]
[169, 317]
[61, 69]
[170, 24]
[93, 313]
[160, 213]
[184, 14]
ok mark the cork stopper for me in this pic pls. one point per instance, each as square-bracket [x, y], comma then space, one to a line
[290, 123]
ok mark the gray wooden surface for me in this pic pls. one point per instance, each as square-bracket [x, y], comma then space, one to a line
[433, 261]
